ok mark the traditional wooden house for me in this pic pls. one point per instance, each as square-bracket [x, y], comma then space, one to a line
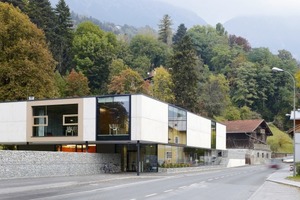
[250, 138]
[246, 133]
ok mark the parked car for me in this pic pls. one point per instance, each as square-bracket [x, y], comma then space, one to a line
[288, 159]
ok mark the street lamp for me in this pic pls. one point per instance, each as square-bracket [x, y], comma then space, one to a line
[276, 69]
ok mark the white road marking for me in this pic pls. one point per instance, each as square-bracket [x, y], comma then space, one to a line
[182, 187]
[169, 190]
[150, 195]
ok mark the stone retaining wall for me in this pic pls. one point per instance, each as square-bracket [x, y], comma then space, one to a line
[21, 164]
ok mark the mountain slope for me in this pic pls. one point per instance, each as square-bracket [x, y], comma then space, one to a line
[133, 12]
[276, 33]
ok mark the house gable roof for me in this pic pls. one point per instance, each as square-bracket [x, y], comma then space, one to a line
[246, 126]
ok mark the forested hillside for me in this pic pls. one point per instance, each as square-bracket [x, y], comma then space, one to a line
[203, 69]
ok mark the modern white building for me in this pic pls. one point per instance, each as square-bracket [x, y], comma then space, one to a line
[147, 133]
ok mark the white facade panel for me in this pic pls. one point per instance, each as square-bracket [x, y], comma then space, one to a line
[198, 131]
[297, 147]
[13, 122]
[149, 119]
[221, 136]
[89, 119]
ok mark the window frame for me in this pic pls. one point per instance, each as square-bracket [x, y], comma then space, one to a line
[69, 124]
[37, 117]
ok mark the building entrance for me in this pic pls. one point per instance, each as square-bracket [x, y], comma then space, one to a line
[132, 161]
[129, 157]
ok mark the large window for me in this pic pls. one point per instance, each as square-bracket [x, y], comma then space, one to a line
[177, 125]
[55, 120]
[213, 135]
[113, 117]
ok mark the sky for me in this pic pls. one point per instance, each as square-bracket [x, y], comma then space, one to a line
[215, 11]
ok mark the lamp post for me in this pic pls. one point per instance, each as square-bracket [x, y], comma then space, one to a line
[276, 69]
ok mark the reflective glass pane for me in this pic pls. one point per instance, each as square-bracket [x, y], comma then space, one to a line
[113, 116]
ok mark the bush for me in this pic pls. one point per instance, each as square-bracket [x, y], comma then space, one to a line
[298, 168]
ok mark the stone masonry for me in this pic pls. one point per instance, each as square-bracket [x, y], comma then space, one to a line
[21, 164]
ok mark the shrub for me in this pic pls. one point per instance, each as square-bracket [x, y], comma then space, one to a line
[298, 168]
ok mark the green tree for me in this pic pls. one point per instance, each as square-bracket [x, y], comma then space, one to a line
[128, 82]
[181, 31]
[165, 30]
[247, 113]
[205, 38]
[220, 29]
[64, 37]
[60, 84]
[116, 67]
[244, 90]
[162, 87]
[42, 14]
[215, 97]
[27, 66]
[232, 113]
[143, 46]
[185, 74]
[94, 51]
[17, 3]
[222, 57]
[77, 85]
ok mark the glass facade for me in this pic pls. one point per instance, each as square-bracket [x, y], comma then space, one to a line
[148, 157]
[177, 126]
[55, 120]
[171, 155]
[213, 135]
[113, 118]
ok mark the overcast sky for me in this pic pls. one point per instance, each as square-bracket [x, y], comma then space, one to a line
[214, 11]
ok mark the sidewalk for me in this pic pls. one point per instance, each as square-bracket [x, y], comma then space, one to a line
[280, 176]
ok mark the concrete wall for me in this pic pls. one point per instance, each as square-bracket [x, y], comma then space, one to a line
[198, 131]
[21, 164]
[221, 136]
[237, 157]
[89, 119]
[149, 119]
[13, 122]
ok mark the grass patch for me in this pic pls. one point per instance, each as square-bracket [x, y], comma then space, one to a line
[280, 141]
[294, 178]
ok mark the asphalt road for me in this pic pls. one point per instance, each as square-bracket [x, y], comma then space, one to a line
[226, 184]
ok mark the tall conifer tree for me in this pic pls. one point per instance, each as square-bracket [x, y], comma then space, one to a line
[165, 30]
[181, 31]
[63, 42]
[42, 14]
[185, 74]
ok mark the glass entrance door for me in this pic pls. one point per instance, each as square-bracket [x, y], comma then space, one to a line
[131, 161]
